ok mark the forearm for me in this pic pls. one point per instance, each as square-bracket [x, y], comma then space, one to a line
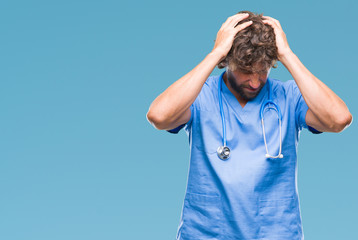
[321, 100]
[178, 97]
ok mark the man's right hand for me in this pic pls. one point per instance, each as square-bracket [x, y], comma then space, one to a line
[225, 36]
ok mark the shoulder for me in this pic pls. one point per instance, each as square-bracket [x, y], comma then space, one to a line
[282, 85]
[284, 89]
[211, 82]
[208, 93]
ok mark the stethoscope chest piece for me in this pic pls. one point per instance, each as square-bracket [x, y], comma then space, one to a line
[223, 152]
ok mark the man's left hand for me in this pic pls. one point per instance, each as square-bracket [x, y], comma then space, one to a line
[281, 40]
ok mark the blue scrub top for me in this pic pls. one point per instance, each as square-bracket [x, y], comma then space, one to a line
[247, 196]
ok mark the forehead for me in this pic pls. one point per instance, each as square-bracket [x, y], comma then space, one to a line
[256, 68]
[259, 71]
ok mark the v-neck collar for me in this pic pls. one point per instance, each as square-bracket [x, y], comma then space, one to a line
[249, 106]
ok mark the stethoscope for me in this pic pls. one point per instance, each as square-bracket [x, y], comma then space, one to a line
[224, 151]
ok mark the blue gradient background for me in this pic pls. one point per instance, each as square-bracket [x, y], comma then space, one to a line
[79, 159]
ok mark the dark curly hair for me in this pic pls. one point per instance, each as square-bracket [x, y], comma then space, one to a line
[254, 48]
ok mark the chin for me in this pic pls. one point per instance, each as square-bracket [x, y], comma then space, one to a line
[251, 94]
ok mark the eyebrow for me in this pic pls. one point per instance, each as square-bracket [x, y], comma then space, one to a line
[261, 71]
[251, 72]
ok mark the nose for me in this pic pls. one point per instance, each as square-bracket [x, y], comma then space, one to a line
[254, 81]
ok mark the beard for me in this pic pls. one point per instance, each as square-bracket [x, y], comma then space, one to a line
[240, 89]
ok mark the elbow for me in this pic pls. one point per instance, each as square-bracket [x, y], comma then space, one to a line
[343, 123]
[154, 120]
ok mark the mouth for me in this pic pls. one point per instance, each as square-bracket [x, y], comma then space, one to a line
[252, 90]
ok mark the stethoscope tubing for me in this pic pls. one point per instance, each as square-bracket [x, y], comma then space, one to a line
[221, 110]
[267, 102]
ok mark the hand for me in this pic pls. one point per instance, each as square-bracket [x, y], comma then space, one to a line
[281, 40]
[227, 32]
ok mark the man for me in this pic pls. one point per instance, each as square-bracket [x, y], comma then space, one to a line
[251, 194]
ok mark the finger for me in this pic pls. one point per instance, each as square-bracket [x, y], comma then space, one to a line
[226, 23]
[237, 18]
[268, 17]
[272, 19]
[271, 23]
[233, 17]
[240, 14]
[243, 25]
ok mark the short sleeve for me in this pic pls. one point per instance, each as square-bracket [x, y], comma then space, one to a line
[301, 109]
[201, 100]
[187, 125]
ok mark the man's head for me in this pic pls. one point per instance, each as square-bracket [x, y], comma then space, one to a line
[254, 48]
[248, 86]
[251, 57]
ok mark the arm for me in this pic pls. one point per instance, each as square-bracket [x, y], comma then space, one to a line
[172, 107]
[327, 112]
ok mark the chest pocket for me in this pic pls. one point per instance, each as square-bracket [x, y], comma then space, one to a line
[208, 131]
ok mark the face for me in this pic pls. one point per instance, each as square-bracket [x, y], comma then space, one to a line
[247, 86]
